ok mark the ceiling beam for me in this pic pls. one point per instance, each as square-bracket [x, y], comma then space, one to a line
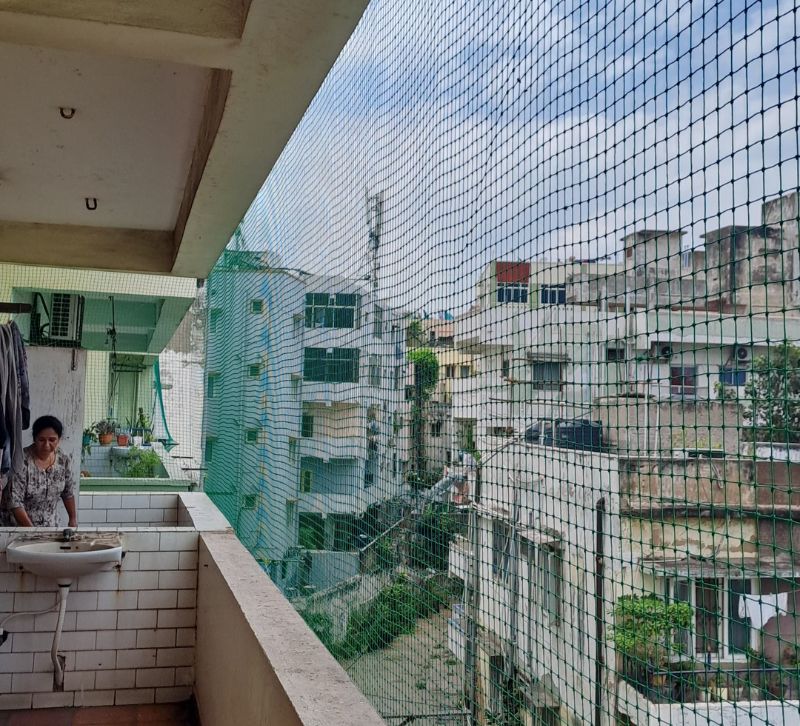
[85, 36]
[100, 248]
[272, 86]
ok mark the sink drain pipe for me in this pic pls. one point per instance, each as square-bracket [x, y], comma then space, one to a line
[58, 670]
[61, 606]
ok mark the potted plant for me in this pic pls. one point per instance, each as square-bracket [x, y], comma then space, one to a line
[104, 430]
[123, 438]
[141, 428]
[643, 636]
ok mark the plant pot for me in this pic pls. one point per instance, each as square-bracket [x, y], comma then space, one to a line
[122, 439]
[105, 439]
[137, 440]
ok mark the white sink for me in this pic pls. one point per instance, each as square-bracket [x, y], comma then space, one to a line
[63, 561]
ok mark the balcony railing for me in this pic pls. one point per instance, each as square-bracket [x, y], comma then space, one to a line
[693, 683]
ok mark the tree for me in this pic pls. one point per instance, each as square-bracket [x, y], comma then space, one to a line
[426, 376]
[415, 334]
[774, 394]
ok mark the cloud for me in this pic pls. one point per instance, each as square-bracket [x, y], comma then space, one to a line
[517, 129]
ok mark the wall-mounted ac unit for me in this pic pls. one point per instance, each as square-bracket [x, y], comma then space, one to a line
[742, 353]
[66, 318]
[664, 351]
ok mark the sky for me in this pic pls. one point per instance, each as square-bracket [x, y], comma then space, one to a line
[522, 130]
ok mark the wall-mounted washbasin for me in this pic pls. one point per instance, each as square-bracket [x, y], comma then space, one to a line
[64, 559]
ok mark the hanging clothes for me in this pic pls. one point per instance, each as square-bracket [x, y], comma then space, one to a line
[14, 400]
[22, 375]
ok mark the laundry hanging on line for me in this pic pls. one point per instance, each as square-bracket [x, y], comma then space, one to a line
[15, 402]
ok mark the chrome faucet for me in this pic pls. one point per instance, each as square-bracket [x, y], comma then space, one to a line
[68, 535]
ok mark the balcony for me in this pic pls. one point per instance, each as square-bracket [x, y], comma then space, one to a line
[334, 447]
[486, 331]
[188, 618]
[739, 485]
[327, 393]
[719, 696]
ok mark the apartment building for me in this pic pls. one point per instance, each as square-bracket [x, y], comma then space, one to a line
[455, 367]
[531, 361]
[680, 504]
[303, 409]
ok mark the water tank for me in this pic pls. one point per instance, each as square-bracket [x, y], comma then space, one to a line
[575, 434]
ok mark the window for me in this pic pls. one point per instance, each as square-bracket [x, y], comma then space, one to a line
[343, 533]
[374, 370]
[409, 393]
[449, 371]
[212, 385]
[448, 457]
[497, 682]
[550, 581]
[377, 322]
[398, 377]
[436, 428]
[324, 310]
[512, 292]
[254, 370]
[553, 295]
[311, 531]
[214, 316]
[307, 426]
[732, 376]
[251, 436]
[615, 355]
[546, 375]
[305, 481]
[719, 627]
[683, 380]
[501, 544]
[208, 453]
[331, 365]
[506, 370]
[466, 372]
[256, 307]
[504, 431]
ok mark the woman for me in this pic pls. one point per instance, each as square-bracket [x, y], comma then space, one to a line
[33, 493]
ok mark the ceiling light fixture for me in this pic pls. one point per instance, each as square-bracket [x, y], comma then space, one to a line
[66, 112]
[91, 203]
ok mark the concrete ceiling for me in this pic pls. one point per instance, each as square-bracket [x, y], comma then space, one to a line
[181, 108]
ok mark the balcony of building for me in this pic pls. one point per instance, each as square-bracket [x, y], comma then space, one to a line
[698, 482]
[187, 618]
[483, 332]
[700, 697]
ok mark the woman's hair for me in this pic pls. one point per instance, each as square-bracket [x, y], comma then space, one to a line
[47, 422]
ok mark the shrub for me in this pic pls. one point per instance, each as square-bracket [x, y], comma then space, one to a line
[141, 464]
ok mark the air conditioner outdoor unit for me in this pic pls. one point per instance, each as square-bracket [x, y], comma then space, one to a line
[742, 353]
[66, 318]
[665, 351]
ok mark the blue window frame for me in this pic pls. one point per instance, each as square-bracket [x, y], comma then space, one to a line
[553, 295]
[732, 376]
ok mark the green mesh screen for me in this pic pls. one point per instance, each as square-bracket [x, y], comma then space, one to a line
[499, 377]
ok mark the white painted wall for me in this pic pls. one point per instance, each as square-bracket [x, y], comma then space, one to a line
[58, 381]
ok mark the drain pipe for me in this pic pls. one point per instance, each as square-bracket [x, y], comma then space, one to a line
[599, 576]
[58, 669]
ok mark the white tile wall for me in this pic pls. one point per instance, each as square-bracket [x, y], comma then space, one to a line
[129, 509]
[128, 635]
